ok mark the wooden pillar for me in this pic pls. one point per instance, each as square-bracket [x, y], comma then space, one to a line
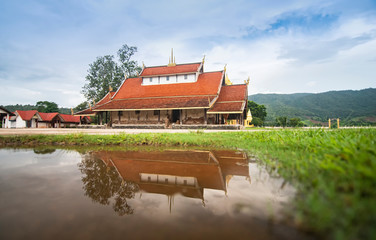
[159, 116]
[100, 118]
[106, 120]
[205, 116]
[180, 113]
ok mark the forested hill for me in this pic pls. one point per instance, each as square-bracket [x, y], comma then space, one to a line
[27, 107]
[352, 107]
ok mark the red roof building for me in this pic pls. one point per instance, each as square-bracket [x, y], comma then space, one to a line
[175, 94]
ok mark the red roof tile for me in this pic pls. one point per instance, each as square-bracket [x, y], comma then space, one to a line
[105, 99]
[231, 99]
[84, 112]
[158, 103]
[47, 117]
[26, 115]
[227, 107]
[233, 93]
[165, 70]
[207, 84]
[70, 118]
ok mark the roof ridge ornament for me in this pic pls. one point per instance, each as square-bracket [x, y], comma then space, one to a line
[247, 81]
[203, 59]
[171, 61]
[227, 80]
[224, 69]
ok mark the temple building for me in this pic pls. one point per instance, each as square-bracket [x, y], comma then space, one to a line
[175, 96]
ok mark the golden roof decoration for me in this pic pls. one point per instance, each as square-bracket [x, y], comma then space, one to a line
[227, 80]
[171, 62]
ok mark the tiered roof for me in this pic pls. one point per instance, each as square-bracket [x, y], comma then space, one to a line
[231, 100]
[132, 95]
[209, 91]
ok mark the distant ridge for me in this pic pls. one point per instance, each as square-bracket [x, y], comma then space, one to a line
[353, 107]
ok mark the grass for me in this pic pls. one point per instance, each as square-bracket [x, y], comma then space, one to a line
[334, 171]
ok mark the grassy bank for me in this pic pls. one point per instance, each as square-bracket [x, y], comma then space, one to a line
[334, 171]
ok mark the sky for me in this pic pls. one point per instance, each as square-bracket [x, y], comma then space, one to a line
[287, 46]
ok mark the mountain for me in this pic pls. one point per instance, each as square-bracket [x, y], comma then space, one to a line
[352, 107]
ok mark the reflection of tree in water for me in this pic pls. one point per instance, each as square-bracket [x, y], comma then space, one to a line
[44, 150]
[101, 183]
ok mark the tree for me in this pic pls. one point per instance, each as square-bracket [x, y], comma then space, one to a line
[105, 72]
[81, 106]
[281, 121]
[130, 68]
[295, 122]
[47, 107]
[258, 113]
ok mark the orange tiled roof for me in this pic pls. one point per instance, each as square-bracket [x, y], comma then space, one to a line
[227, 107]
[164, 70]
[207, 84]
[158, 103]
[26, 115]
[87, 111]
[231, 99]
[70, 118]
[47, 117]
[106, 98]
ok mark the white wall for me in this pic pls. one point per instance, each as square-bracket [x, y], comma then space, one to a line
[181, 78]
[20, 123]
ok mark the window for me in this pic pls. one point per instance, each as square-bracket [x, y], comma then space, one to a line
[167, 78]
[151, 80]
[185, 76]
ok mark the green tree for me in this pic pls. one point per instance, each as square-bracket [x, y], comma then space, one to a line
[47, 107]
[128, 66]
[105, 72]
[81, 106]
[258, 113]
[281, 121]
[295, 122]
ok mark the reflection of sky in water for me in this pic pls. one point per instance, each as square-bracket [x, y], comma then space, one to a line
[26, 157]
[47, 192]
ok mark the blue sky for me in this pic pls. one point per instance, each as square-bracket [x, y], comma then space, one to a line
[284, 46]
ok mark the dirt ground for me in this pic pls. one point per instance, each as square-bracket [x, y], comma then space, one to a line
[34, 131]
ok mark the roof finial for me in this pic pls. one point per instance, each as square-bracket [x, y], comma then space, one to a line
[125, 76]
[110, 88]
[247, 81]
[143, 65]
[203, 59]
[71, 111]
[90, 105]
[227, 80]
[225, 67]
[171, 62]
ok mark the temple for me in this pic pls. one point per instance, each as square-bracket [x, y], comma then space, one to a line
[170, 172]
[174, 96]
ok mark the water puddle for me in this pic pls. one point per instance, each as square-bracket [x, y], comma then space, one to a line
[137, 194]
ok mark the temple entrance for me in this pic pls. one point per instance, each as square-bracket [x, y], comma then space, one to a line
[175, 115]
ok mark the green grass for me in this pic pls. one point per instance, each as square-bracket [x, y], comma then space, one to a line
[334, 171]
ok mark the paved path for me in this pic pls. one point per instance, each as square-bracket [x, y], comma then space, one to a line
[34, 131]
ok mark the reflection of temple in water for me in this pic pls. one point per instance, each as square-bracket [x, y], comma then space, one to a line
[177, 172]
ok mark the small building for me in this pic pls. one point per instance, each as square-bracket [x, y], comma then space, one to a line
[6, 117]
[26, 119]
[177, 96]
[49, 120]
